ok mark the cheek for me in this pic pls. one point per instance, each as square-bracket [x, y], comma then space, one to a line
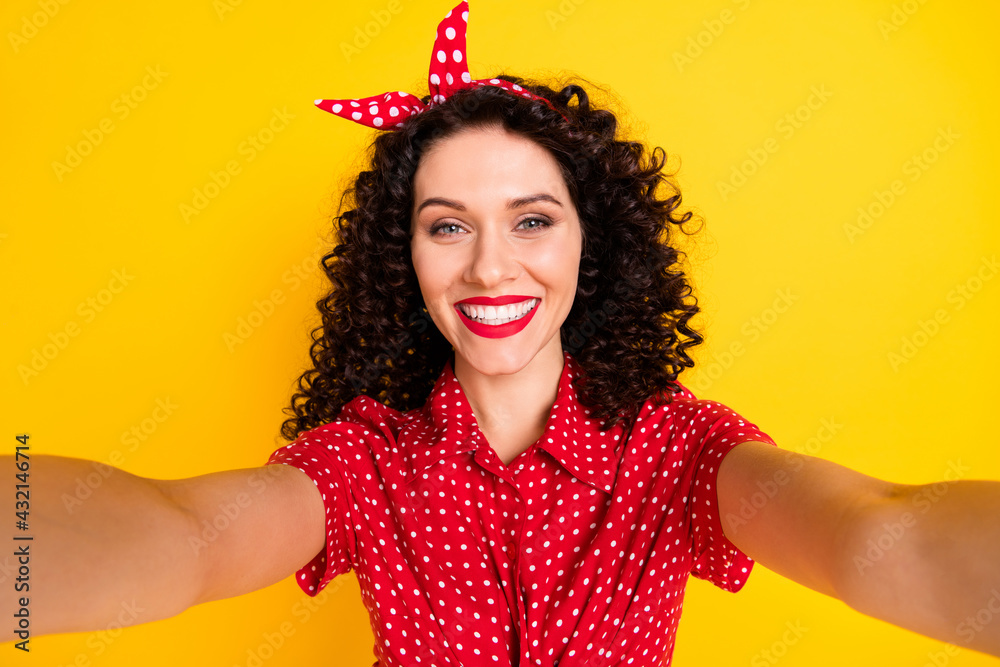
[421, 266]
[559, 265]
[432, 274]
[430, 290]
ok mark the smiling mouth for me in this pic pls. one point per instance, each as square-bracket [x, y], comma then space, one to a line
[497, 315]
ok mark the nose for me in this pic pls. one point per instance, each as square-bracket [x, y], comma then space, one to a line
[492, 261]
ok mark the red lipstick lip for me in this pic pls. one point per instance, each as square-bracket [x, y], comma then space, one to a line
[496, 330]
[496, 301]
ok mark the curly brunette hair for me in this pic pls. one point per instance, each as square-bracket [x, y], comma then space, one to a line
[628, 326]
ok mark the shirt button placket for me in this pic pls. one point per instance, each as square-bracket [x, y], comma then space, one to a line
[515, 510]
[513, 550]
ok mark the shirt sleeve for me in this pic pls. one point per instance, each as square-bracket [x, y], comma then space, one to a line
[317, 453]
[715, 558]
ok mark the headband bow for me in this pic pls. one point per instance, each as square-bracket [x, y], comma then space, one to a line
[449, 72]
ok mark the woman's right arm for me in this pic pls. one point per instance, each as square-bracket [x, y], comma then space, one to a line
[112, 547]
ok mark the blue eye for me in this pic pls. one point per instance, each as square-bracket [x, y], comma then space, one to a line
[534, 223]
[453, 229]
[446, 228]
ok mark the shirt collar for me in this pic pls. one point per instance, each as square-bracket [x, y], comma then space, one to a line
[445, 426]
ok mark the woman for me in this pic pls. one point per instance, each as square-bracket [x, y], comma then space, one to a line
[568, 228]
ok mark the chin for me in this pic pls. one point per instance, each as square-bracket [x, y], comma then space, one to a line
[497, 362]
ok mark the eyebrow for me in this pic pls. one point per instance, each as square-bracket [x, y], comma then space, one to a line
[517, 202]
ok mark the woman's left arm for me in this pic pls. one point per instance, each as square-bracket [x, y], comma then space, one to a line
[923, 557]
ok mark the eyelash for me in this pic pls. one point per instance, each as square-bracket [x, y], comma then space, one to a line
[545, 222]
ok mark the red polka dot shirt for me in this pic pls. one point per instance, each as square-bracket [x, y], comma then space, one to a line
[576, 553]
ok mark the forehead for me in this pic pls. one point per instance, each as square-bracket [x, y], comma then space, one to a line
[485, 162]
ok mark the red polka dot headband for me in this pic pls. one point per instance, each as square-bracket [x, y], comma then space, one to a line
[449, 73]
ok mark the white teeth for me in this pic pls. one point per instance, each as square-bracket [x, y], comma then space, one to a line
[495, 315]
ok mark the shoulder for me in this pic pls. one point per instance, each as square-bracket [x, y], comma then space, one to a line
[684, 423]
[364, 429]
[683, 409]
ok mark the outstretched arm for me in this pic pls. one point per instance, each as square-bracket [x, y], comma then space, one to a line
[924, 557]
[110, 546]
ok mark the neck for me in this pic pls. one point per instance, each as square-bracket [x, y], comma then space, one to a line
[512, 409]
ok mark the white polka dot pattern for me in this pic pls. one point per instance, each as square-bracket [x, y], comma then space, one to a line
[448, 73]
[577, 552]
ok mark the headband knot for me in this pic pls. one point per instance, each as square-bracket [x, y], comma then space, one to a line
[449, 72]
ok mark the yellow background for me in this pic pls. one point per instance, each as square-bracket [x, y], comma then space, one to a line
[224, 73]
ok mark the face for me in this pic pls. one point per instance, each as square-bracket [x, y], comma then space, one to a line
[496, 244]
